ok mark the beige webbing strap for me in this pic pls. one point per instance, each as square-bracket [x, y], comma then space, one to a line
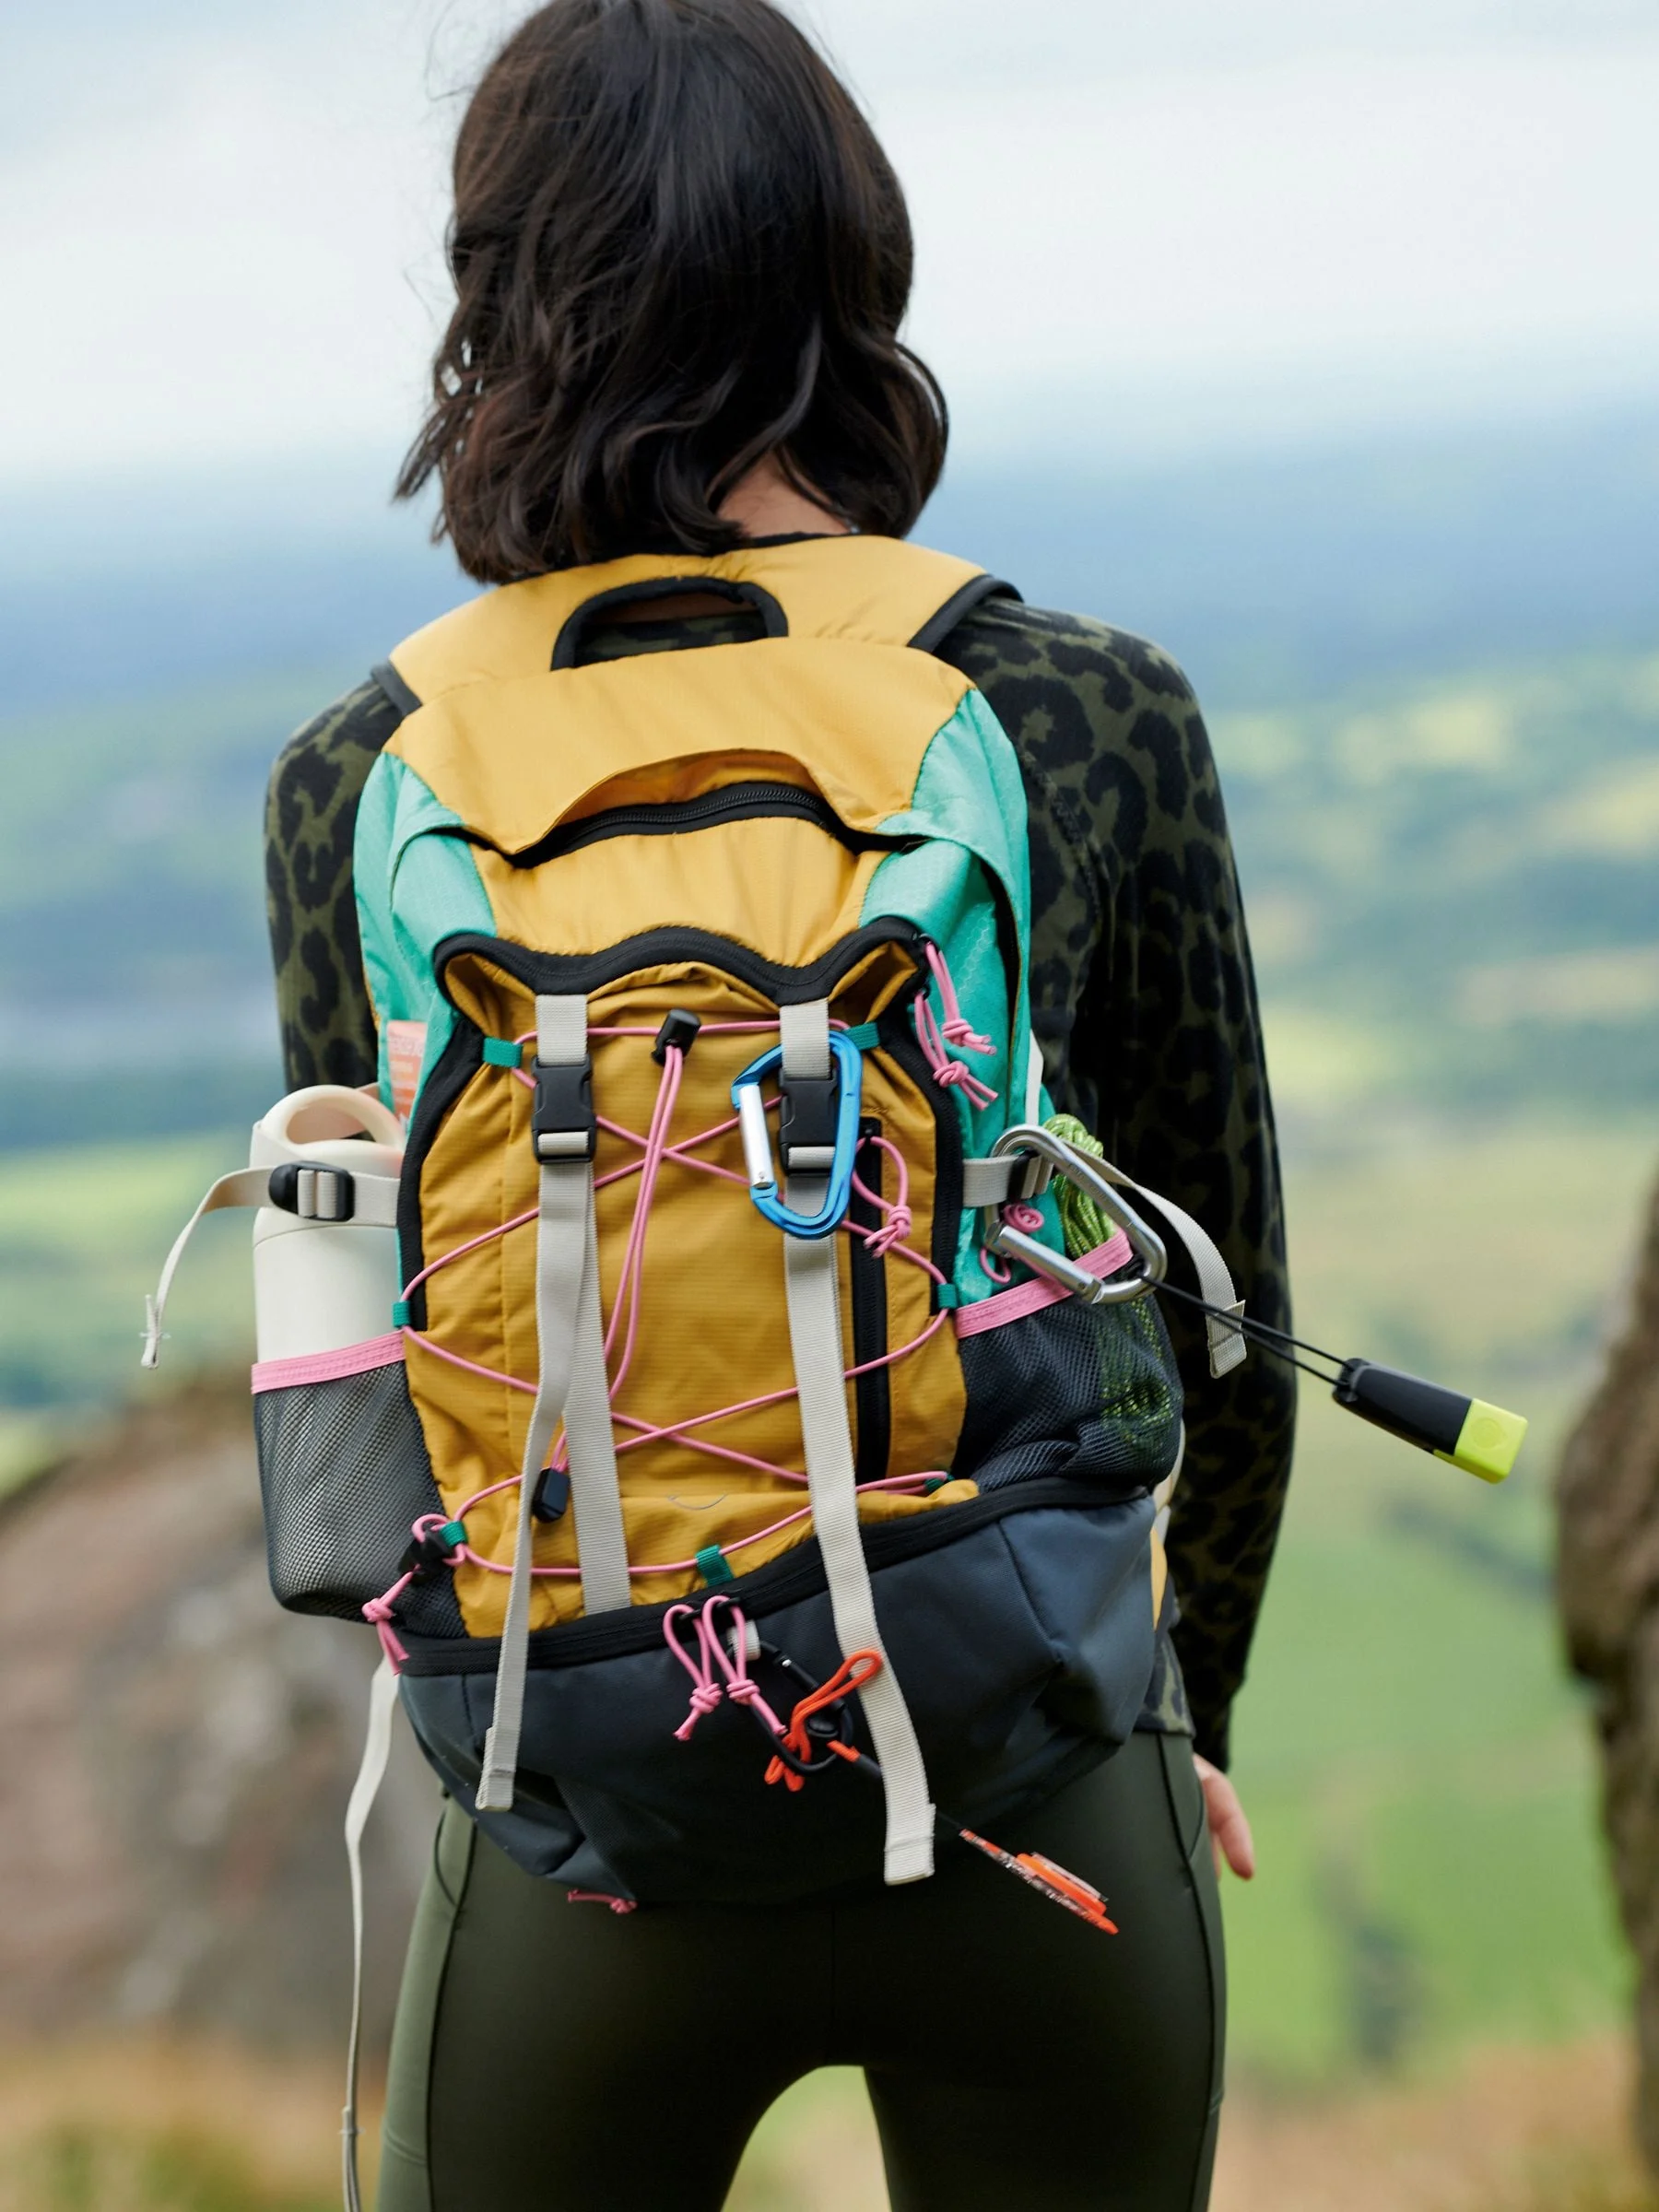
[1034, 1074]
[812, 1286]
[601, 1537]
[247, 1186]
[571, 1387]
[374, 1205]
[1226, 1342]
[377, 1745]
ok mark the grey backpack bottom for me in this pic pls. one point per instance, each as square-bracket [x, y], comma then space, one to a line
[1020, 1628]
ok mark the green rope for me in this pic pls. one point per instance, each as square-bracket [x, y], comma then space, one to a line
[1086, 1226]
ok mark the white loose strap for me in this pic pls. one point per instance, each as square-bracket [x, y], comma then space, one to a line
[571, 1386]
[1033, 1102]
[1227, 1342]
[377, 1745]
[812, 1286]
[374, 1205]
[248, 1186]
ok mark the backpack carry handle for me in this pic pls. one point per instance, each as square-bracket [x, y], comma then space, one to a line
[577, 625]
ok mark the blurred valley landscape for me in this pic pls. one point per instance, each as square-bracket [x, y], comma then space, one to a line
[1431, 666]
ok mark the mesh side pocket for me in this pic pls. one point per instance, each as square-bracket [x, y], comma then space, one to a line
[344, 1472]
[1087, 1392]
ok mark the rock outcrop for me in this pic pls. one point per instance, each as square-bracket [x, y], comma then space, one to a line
[175, 1753]
[1609, 1572]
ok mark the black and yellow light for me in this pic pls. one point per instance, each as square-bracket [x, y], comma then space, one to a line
[1481, 1439]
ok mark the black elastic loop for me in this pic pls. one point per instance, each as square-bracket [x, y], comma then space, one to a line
[568, 645]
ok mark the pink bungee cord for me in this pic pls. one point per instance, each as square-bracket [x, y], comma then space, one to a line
[886, 1239]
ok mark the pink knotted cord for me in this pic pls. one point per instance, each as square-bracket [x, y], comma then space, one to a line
[379, 1610]
[949, 1072]
[711, 1663]
[706, 1692]
[897, 1221]
[956, 1030]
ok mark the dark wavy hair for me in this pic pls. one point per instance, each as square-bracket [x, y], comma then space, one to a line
[677, 247]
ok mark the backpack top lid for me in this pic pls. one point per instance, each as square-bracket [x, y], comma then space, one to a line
[874, 591]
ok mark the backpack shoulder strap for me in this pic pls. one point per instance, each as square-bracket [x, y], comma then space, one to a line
[872, 591]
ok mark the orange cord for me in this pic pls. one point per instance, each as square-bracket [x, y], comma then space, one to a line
[853, 1673]
[1053, 1882]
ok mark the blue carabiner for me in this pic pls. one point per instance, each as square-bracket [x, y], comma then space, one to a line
[757, 1139]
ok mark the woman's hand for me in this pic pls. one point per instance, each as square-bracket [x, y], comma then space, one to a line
[1230, 1832]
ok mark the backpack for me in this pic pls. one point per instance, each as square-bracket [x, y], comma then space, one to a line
[743, 1377]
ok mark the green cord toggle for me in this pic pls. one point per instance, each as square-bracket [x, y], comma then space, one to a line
[714, 1566]
[501, 1052]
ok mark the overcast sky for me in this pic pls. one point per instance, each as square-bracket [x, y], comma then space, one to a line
[1144, 225]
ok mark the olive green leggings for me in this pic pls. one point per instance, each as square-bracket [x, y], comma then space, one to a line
[558, 2058]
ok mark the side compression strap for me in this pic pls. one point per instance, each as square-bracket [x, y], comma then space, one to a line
[811, 1281]
[377, 1744]
[571, 1387]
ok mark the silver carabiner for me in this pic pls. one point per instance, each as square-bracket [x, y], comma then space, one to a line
[1056, 1156]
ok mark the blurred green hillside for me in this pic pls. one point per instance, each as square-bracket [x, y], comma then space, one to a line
[1454, 889]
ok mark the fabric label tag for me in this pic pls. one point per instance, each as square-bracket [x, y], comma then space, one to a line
[406, 1049]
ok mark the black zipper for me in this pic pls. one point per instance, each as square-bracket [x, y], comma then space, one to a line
[567, 972]
[675, 818]
[783, 1582]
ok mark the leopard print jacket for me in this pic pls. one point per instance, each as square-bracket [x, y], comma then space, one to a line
[1144, 1001]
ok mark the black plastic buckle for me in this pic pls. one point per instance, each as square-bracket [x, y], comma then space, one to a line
[808, 1114]
[314, 1193]
[562, 1119]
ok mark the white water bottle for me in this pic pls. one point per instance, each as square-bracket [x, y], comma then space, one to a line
[322, 1285]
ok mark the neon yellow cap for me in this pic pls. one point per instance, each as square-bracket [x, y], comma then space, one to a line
[1488, 1442]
